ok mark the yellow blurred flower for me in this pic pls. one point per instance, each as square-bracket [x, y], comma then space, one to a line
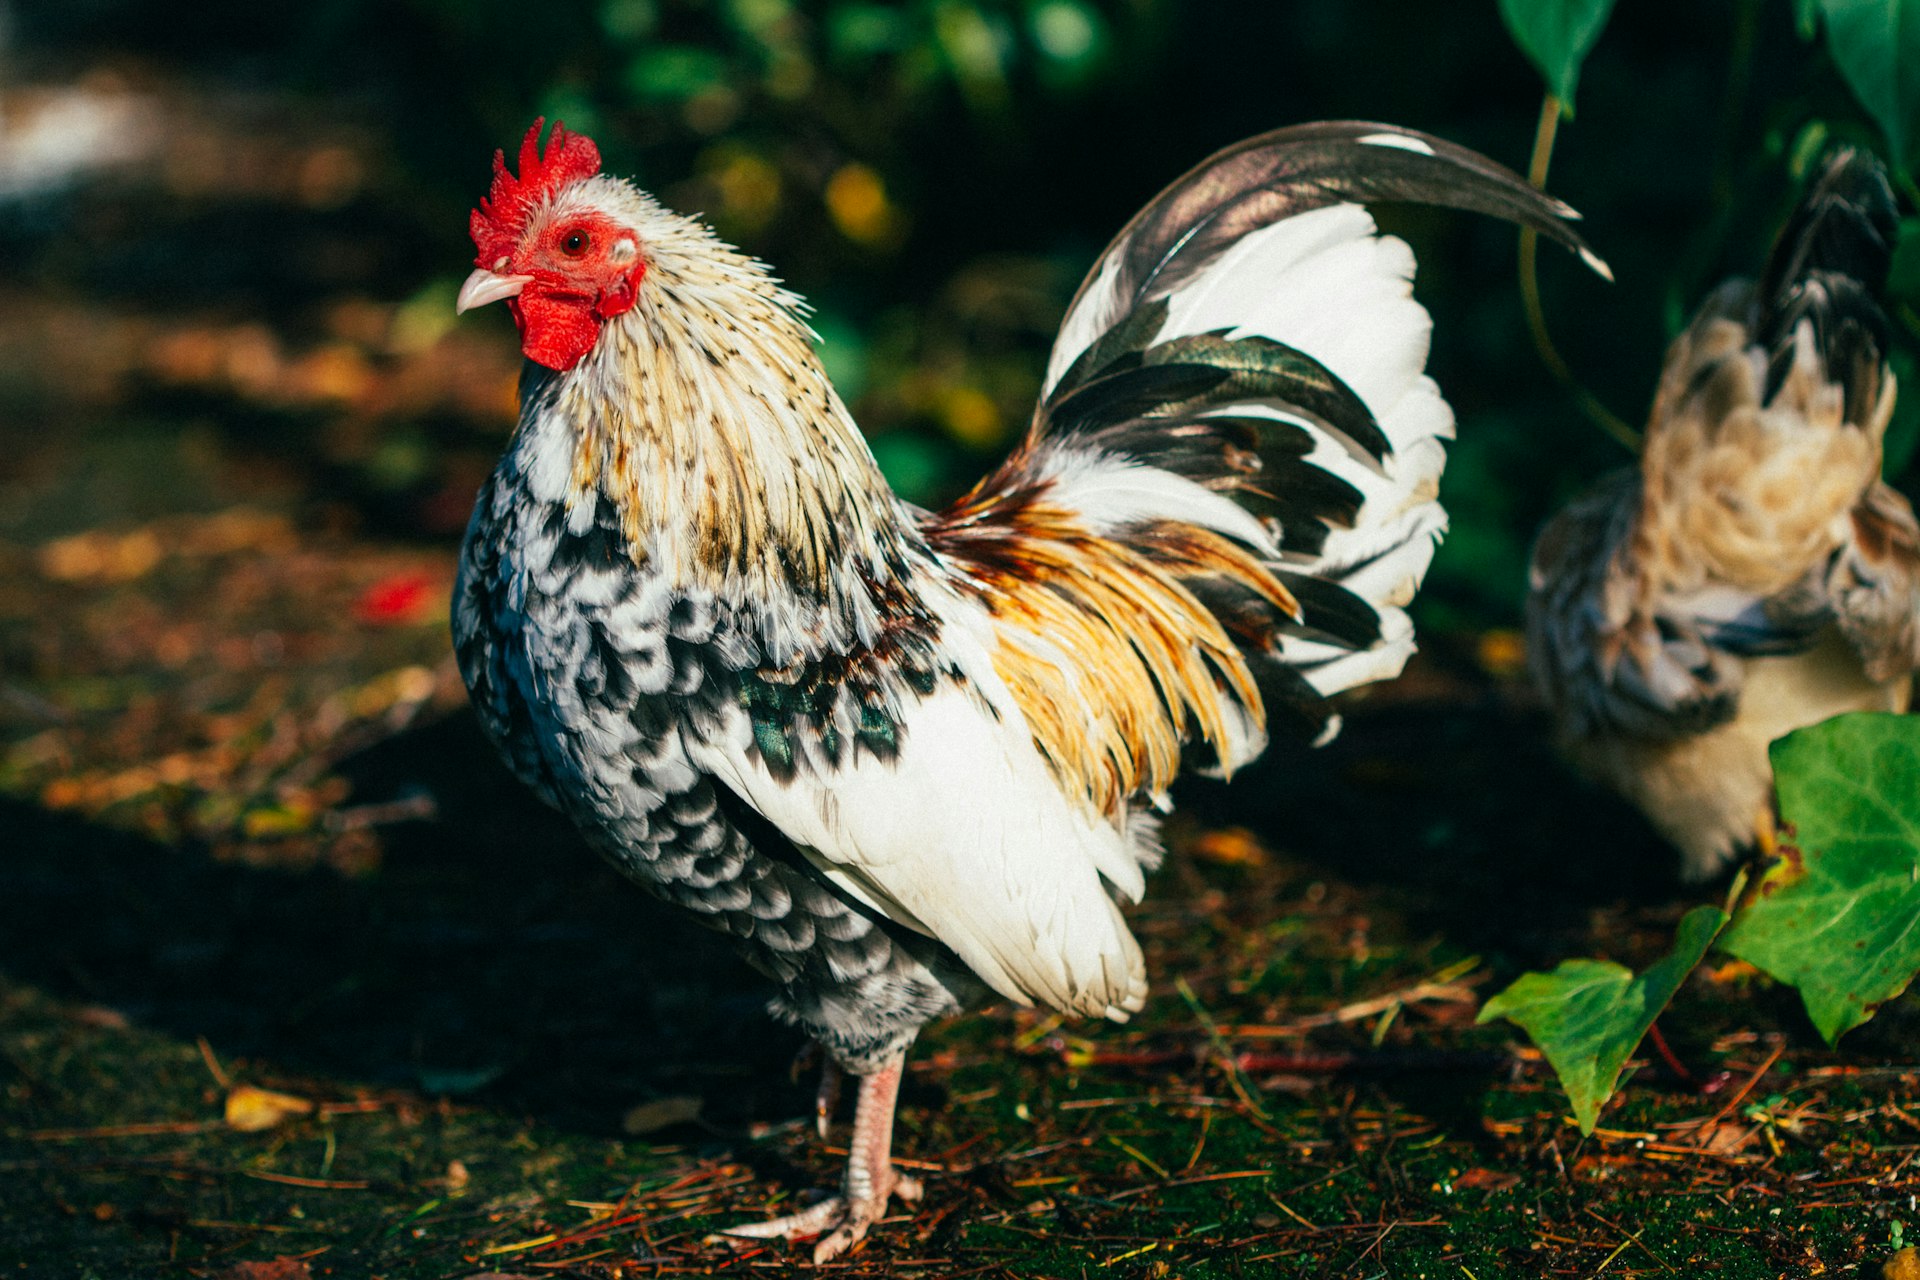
[857, 201]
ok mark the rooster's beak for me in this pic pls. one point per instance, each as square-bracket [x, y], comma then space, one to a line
[483, 286]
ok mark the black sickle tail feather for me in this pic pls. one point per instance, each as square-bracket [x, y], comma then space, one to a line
[1829, 267]
[1291, 171]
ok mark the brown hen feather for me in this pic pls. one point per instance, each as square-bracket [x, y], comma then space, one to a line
[1754, 575]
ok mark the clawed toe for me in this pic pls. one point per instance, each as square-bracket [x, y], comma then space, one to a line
[810, 1221]
[840, 1223]
[851, 1229]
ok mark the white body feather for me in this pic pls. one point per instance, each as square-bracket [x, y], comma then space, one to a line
[968, 838]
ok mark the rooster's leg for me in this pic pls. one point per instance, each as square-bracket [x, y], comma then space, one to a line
[871, 1178]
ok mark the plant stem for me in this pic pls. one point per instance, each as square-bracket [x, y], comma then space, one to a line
[1590, 404]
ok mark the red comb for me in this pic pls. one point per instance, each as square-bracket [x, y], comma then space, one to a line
[500, 220]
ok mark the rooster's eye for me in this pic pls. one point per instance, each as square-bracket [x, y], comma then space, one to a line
[575, 244]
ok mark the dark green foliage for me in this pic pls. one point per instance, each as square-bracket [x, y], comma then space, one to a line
[1876, 44]
[1557, 35]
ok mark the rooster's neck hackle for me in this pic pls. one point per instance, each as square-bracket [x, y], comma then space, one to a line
[704, 415]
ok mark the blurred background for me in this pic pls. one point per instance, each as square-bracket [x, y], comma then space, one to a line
[241, 429]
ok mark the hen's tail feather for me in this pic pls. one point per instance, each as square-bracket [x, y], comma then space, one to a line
[1829, 267]
[1845, 224]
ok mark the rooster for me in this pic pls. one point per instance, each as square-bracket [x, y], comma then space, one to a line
[912, 761]
[1753, 574]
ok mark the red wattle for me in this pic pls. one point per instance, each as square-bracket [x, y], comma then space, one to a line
[556, 332]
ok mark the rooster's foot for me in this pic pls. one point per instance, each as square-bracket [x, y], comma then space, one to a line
[843, 1220]
[839, 1222]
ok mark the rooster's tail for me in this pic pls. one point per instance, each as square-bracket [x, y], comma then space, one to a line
[1237, 408]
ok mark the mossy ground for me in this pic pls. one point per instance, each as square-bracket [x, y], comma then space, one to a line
[472, 1006]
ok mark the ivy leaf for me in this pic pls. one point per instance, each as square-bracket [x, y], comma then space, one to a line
[1839, 916]
[1588, 1016]
[1556, 36]
[1876, 45]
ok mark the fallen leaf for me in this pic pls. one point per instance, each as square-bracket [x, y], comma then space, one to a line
[251, 1110]
[1485, 1180]
[1728, 1137]
[1729, 973]
[661, 1113]
[278, 1269]
[1232, 847]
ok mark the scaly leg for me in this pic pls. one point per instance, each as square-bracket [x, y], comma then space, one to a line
[871, 1178]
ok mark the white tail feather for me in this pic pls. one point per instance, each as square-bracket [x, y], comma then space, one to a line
[1326, 283]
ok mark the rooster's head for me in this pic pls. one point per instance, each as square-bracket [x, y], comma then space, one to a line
[551, 242]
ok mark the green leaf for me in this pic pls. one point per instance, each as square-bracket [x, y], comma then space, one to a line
[843, 352]
[1876, 45]
[1588, 1016]
[631, 21]
[1839, 916]
[1806, 18]
[1556, 36]
[976, 46]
